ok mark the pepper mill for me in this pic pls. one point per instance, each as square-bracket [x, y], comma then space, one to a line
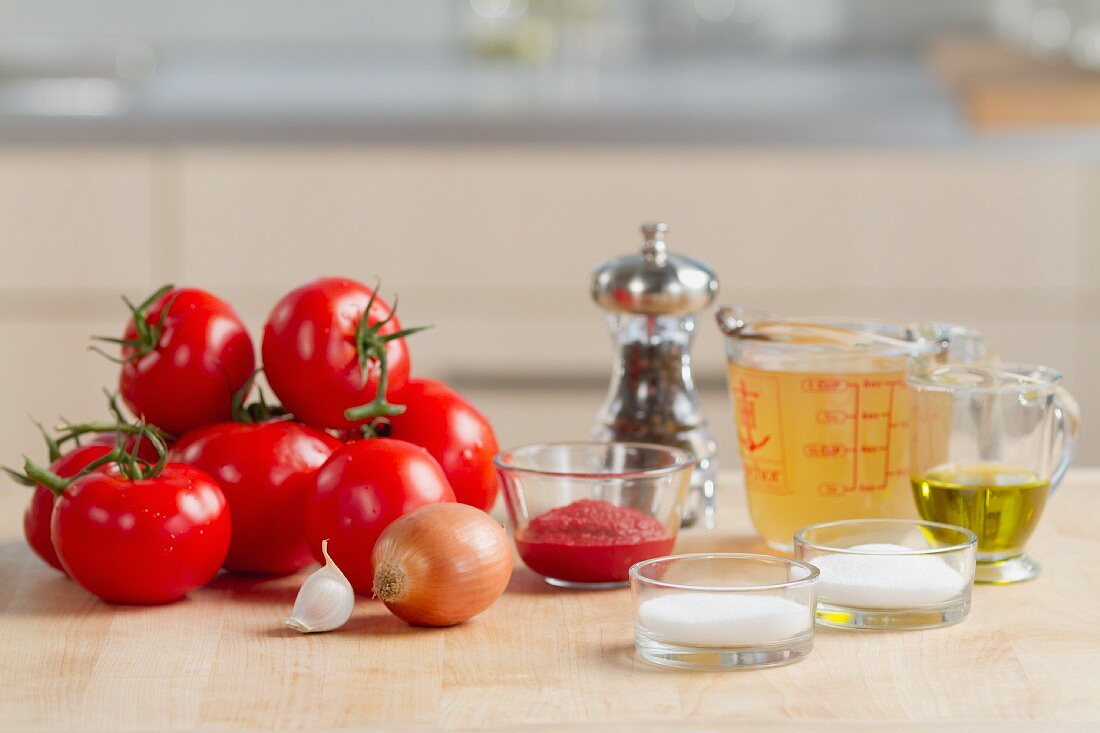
[652, 298]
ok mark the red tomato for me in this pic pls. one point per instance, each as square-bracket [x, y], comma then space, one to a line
[186, 379]
[439, 420]
[265, 471]
[311, 351]
[362, 488]
[36, 519]
[142, 541]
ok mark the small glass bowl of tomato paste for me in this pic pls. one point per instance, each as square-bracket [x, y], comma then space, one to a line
[582, 513]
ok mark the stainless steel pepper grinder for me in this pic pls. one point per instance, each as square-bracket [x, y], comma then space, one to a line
[652, 298]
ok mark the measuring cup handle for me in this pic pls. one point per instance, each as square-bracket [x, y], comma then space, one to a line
[1068, 417]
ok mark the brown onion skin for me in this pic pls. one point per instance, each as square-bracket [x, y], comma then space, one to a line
[441, 564]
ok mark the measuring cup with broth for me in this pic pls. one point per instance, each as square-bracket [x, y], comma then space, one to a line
[990, 441]
[822, 413]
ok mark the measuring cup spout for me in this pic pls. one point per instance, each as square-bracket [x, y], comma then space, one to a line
[732, 321]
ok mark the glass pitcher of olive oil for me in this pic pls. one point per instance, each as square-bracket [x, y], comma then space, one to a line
[989, 442]
[822, 413]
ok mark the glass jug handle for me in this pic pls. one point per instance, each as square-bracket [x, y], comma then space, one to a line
[1068, 417]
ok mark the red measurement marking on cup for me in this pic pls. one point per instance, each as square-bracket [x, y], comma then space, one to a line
[889, 429]
[757, 402]
[824, 450]
[845, 450]
[863, 417]
[830, 488]
[748, 422]
[818, 384]
[832, 417]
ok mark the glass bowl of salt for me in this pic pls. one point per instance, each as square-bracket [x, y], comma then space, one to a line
[890, 574]
[723, 610]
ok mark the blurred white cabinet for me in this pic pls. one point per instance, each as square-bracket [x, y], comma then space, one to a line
[76, 219]
[494, 246]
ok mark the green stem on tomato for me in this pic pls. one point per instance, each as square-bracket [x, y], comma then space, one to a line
[370, 344]
[44, 476]
[148, 336]
[69, 431]
[379, 427]
[130, 465]
[33, 474]
[377, 407]
[53, 449]
[258, 411]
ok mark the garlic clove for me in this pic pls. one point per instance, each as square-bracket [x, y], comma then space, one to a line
[325, 601]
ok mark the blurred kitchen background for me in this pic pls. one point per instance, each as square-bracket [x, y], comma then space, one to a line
[898, 159]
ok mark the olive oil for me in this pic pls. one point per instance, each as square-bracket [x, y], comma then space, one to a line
[999, 503]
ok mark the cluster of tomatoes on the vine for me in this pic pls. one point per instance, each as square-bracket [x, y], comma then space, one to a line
[145, 512]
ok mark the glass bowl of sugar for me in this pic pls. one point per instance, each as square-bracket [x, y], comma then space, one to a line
[890, 574]
[723, 610]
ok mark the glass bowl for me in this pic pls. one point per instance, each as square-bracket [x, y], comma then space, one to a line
[582, 513]
[723, 611]
[880, 574]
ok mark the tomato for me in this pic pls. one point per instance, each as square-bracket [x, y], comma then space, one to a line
[359, 491]
[265, 471]
[315, 352]
[182, 371]
[36, 519]
[36, 522]
[144, 541]
[439, 420]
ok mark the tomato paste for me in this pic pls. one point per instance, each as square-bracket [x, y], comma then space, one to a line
[591, 541]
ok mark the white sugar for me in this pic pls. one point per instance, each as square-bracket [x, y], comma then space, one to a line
[886, 580]
[723, 619]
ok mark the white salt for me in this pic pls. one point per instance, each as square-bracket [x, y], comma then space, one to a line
[886, 580]
[723, 619]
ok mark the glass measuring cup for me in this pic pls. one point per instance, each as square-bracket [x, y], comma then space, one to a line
[822, 414]
[990, 441]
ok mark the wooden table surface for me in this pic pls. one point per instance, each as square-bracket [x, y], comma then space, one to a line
[222, 660]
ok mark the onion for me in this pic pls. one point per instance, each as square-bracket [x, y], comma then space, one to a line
[441, 564]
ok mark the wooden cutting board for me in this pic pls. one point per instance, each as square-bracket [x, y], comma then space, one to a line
[1004, 88]
[222, 660]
